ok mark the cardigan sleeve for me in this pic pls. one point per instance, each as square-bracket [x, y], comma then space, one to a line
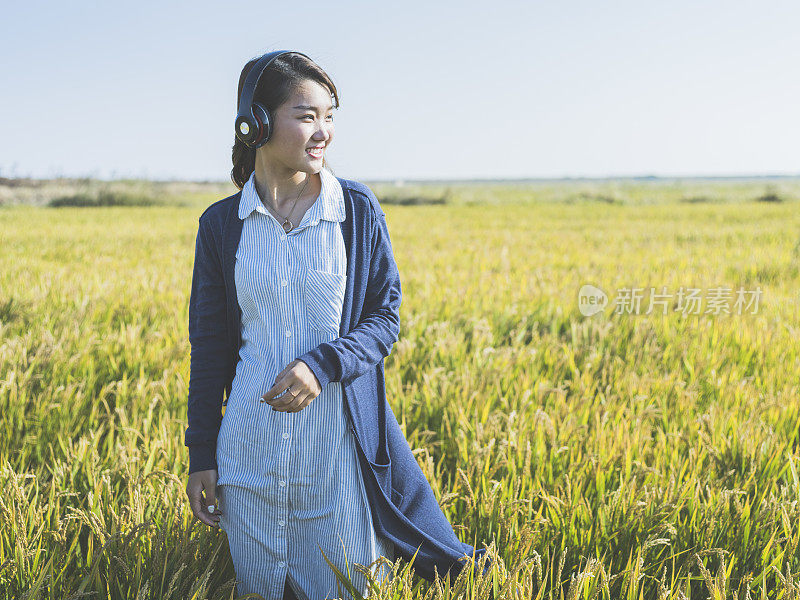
[209, 352]
[349, 356]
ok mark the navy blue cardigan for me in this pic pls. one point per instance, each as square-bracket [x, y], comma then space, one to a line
[404, 507]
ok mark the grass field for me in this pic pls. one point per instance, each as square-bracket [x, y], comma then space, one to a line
[622, 455]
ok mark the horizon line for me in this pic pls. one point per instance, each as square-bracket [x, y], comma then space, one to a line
[404, 180]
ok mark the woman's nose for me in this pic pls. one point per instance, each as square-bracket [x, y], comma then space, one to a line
[323, 133]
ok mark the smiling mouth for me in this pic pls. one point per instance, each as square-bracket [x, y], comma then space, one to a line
[315, 152]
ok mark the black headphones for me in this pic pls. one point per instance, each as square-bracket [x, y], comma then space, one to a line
[253, 121]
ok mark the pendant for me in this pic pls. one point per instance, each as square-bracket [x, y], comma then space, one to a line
[285, 223]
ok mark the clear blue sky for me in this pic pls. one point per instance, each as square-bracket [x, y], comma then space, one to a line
[427, 90]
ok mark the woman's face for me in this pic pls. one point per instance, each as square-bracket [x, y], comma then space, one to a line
[303, 129]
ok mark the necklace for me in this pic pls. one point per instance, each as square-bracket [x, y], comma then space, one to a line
[286, 220]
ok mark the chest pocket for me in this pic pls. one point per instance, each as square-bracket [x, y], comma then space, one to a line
[324, 294]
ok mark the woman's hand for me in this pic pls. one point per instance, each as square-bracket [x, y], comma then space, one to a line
[201, 491]
[301, 384]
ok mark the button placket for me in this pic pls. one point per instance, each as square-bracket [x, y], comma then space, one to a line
[284, 267]
[282, 482]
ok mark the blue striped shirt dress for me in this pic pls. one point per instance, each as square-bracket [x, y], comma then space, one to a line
[289, 483]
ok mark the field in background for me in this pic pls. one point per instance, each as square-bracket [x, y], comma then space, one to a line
[633, 191]
[616, 456]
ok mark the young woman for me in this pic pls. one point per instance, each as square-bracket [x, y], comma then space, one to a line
[294, 304]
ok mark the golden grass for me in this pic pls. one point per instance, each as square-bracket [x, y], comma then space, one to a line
[615, 456]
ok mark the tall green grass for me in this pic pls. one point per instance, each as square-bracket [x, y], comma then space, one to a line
[615, 456]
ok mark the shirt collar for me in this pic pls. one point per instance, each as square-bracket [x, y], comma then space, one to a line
[329, 204]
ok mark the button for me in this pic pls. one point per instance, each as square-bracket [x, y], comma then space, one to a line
[281, 483]
[286, 435]
[288, 333]
[281, 522]
[284, 283]
[281, 564]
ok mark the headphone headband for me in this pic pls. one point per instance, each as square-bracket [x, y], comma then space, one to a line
[248, 127]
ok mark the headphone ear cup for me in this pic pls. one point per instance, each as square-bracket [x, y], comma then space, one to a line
[264, 124]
